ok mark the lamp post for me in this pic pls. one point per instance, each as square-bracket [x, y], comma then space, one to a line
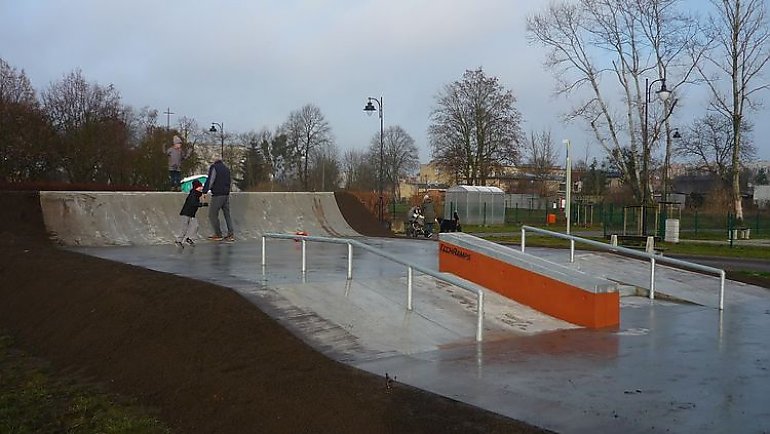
[663, 95]
[369, 109]
[213, 129]
[568, 205]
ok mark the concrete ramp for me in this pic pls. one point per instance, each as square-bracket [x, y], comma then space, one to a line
[79, 218]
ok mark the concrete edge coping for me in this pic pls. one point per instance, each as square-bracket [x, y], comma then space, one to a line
[537, 265]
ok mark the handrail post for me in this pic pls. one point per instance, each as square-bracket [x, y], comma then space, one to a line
[523, 238]
[409, 288]
[722, 290]
[304, 255]
[263, 251]
[652, 278]
[480, 317]
[350, 261]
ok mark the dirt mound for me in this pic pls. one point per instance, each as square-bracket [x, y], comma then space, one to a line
[358, 217]
[21, 216]
[202, 356]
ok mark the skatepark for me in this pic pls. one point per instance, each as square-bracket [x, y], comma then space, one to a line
[676, 363]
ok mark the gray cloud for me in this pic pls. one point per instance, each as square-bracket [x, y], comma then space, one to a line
[248, 64]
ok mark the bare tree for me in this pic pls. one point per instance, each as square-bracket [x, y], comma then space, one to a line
[90, 122]
[326, 169]
[306, 129]
[709, 145]
[739, 31]
[594, 41]
[24, 133]
[401, 156]
[358, 170]
[542, 159]
[475, 127]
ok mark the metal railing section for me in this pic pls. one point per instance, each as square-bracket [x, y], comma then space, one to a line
[634, 253]
[453, 280]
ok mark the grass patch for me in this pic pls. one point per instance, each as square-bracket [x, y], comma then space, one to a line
[35, 400]
[684, 248]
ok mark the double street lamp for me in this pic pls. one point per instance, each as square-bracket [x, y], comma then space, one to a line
[213, 129]
[369, 109]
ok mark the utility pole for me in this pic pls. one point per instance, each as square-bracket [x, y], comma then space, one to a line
[168, 114]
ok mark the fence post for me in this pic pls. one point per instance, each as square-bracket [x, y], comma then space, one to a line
[696, 222]
[516, 213]
[604, 221]
[756, 224]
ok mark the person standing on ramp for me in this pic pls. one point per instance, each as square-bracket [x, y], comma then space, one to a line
[175, 158]
[218, 183]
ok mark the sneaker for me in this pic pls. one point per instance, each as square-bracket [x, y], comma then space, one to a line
[230, 238]
[216, 238]
[189, 241]
[179, 244]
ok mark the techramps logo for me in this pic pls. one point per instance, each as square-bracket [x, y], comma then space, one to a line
[455, 251]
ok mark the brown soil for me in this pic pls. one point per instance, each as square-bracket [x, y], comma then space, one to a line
[200, 355]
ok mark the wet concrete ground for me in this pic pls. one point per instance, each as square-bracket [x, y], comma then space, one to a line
[670, 367]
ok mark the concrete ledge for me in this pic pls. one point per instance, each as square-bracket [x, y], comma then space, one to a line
[551, 288]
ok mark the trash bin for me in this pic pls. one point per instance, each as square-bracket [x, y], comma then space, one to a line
[551, 219]
[672, 231]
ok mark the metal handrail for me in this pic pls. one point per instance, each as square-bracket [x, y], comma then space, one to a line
[637, 254]
[453, 280]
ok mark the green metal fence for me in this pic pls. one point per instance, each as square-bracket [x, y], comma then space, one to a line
[634, 220]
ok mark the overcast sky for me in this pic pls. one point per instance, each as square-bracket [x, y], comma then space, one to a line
[248, 64]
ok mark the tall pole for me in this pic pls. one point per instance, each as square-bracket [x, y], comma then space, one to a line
[168, 114]
[663, 93]
[645, 140]
[382, 160]
[568, 188]
[369, 109]
[568, 205]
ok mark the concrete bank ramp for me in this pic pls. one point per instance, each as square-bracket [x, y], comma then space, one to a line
[85, 218]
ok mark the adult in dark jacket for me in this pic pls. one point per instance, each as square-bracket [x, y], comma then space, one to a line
[218, 183]
[429, 212]
[188, 229]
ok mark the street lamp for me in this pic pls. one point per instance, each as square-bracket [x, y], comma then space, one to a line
[369, 109]
[663, 95]
[568, 204]
[213, 129]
